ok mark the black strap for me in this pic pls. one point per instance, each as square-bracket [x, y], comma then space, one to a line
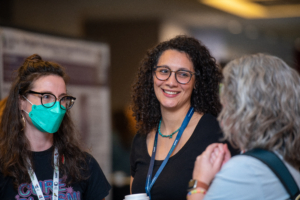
[278, 167]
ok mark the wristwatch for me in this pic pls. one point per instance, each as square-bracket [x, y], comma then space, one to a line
[193, 184]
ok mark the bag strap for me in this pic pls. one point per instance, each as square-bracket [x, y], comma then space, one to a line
[277, 166]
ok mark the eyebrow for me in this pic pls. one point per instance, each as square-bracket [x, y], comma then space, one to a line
[62, 95]
[184, 69]
[48, 92]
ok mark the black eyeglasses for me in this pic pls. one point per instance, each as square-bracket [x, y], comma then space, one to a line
[48, 100]
[182, 76]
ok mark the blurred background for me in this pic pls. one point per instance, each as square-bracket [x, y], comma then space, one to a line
[229, 28]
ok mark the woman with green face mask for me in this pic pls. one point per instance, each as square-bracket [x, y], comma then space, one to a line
[40, 155]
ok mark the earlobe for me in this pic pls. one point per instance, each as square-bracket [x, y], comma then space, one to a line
[21, 103]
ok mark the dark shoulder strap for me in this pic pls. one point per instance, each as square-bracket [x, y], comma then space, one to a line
[278, 167]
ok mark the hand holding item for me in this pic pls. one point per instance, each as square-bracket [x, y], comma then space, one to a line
[209, 163]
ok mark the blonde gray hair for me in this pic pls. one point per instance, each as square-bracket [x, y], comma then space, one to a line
[261, 105]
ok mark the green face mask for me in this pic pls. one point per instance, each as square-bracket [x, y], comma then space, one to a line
[46, 119]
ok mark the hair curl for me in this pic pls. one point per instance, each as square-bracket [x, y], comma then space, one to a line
[205, 96]
[261, 98]
[14, 145]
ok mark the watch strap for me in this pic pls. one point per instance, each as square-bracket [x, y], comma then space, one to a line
[202, 185]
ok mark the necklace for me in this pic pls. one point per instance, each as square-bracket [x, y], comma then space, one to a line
[169, 136]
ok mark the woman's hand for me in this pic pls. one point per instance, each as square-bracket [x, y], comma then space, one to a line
[209, 163]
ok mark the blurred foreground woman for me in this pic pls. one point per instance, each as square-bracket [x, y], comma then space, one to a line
[261, 109]
[40, 155]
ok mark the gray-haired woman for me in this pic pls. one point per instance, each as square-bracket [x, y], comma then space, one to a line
[261, 109]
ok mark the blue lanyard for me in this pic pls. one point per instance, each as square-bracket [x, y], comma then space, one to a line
[149, 182]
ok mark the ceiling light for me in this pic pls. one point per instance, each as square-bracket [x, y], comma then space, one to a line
[252, 10]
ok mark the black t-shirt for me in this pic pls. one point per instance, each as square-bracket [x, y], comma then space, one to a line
[95, 187]
[173, 181]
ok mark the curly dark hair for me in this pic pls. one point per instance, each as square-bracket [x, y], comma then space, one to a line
[14, 145]
[205, 98]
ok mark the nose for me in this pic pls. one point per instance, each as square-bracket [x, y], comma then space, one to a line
[171, 81]
[56, 107]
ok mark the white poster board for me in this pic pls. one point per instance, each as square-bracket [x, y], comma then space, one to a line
[87, 65]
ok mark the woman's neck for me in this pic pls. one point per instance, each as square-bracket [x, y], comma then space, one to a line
[172, 119]
[39, 141]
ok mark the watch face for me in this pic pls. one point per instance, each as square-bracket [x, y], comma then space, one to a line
[192, 184]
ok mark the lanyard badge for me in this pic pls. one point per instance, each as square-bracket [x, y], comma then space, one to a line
[35, 181]
[149, 182]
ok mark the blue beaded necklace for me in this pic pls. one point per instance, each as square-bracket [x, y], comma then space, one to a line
[169, 136]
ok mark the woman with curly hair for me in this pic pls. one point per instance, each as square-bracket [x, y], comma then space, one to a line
[175, 103]
[261, 109]
[40, 154]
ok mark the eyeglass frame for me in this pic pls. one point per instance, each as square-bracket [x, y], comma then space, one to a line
[192, 73]
[33, 92]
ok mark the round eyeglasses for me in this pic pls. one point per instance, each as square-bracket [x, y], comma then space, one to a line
[182, 76]
[48, 100]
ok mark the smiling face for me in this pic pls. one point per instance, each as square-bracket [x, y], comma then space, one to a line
[46, 84]
[170, 93]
